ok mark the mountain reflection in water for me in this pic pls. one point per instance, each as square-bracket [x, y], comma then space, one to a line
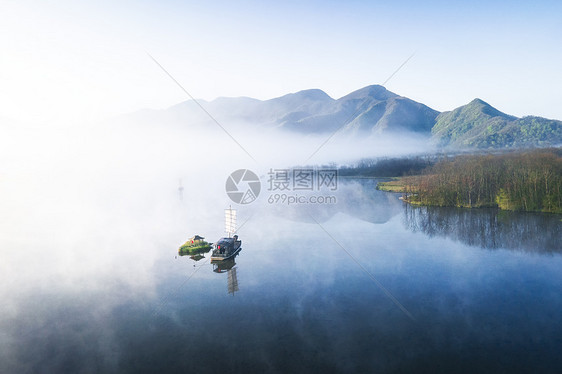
[488, 228]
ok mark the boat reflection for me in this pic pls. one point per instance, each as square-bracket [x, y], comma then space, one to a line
[228, 266]
[488, 228]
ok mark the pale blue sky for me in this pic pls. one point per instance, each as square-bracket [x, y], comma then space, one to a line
[68, 60]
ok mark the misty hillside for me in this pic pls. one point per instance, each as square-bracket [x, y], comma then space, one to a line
[369, 112]
[480, 125]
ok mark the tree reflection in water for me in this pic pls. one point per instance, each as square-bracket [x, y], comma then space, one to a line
[488, 228]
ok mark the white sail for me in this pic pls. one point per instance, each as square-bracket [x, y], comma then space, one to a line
[230, 221]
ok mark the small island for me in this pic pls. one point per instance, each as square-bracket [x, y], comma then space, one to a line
[195, 245]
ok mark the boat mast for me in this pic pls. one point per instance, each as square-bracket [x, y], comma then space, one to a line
[230, 221]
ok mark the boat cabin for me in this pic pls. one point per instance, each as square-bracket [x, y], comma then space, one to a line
[225, 245]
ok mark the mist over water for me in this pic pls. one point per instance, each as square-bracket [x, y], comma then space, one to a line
[79, 199]
[92, 217]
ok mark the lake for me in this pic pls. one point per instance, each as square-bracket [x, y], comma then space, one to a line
[367, 284]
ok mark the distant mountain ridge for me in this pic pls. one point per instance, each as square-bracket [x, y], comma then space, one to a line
[369, 110]
[372, 111]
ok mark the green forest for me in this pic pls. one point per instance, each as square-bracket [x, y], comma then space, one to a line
[479, 125]
[524, 181]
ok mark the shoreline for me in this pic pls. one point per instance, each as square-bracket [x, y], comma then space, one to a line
[397, 186]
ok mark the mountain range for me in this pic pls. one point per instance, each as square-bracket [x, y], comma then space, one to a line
[373, 110]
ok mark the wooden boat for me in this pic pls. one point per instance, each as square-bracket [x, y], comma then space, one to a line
[226, 248]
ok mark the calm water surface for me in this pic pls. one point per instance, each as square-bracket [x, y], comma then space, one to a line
[309, 292]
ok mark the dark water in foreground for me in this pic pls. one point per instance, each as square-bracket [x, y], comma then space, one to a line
[483, 288]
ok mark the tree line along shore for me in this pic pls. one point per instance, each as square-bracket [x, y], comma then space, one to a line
[523, 181]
